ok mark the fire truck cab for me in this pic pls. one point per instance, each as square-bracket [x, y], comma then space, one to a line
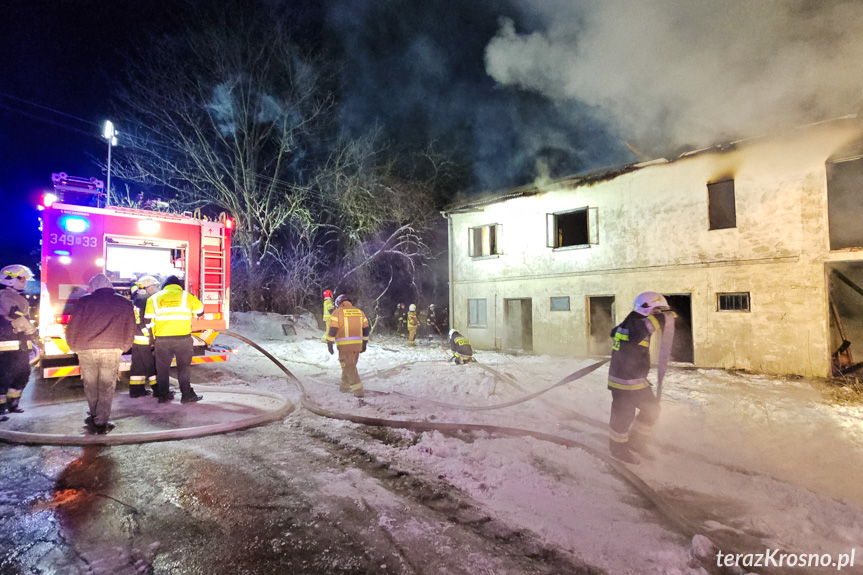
[80, 241]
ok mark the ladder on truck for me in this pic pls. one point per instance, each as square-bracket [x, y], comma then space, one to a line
[213, 268]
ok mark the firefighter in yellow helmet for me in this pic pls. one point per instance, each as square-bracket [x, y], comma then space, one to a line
[171, 312]
[16, 334]
[329, 306]
[413, 324]
[143, 368]
[627, 378]
[349, 330]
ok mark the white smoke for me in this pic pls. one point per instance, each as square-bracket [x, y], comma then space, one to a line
[666, 73]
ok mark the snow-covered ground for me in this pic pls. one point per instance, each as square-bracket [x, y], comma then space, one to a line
[753, 457]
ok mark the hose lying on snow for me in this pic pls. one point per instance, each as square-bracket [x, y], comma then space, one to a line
[680, 523]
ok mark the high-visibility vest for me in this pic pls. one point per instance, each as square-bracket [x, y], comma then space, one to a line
[349, 328]
[171, 311]
[328, 310]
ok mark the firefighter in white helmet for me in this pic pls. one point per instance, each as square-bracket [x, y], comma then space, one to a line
[16, 333]
[627, 378]
[413, 324]
[143, 369]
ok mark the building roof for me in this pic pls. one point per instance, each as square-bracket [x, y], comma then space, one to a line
[468, 204]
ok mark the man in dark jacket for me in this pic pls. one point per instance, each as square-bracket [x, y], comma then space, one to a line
[460, 347]
[100, 329]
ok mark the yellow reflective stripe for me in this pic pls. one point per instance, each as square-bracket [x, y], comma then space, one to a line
[644, 343]
[142, 340]
[623, 336]
[13, 393]
[654, 321]
[618, 437]
[631, 386]
[356, 386]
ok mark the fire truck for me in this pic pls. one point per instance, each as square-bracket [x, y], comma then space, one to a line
[81, 239]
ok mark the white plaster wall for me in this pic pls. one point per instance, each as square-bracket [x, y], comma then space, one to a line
[653, 235]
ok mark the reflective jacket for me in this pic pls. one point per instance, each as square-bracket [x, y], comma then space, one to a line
[349, 328]
[14, 325]
[630, 351]
[460, 345]
[328, 310]
[171, 311]
[413, 320]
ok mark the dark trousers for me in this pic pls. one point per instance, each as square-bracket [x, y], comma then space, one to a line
[624, 403]
[167, 348]
[14, 375]
[143, 367]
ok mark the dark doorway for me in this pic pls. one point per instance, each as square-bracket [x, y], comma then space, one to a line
[518, 321]
[600, 321]
[845, 305]
[682, 350]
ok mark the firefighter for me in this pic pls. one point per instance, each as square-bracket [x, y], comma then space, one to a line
[461, 348]
[329, 306]
[413, 323]
[16, 334]
[627, 378]
[349, 330]
[401, 320]
[143, 369]
[170, 312]
[431, 322]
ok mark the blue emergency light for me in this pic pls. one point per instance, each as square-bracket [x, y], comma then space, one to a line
[74, 224]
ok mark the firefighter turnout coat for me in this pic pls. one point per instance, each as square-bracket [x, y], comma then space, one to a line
[348, 328]
[630, 351]
[171, 311]
[328, 310]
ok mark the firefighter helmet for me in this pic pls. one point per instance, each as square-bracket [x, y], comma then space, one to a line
[146, 281]
[452, 331]
[328, 293]
[413, 307]
[14, 273]
[342, 298]
[431, 306]
[649, 301]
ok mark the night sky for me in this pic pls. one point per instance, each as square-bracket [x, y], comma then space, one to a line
[519, 90]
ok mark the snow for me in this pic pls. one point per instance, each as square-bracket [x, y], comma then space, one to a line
[768, 459]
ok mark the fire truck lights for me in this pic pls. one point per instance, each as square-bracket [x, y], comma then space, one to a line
[148, 226]
[229, 223]
[100, 262]
[61, 319]
[61, 253]
[48, 199]
[74, 224]
[65, 260]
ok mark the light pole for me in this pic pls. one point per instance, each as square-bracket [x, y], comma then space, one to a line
[109, 134]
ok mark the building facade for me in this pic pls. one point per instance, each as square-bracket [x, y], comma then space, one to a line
[745, 240]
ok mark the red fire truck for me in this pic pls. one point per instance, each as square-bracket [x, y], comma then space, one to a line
[80, 240]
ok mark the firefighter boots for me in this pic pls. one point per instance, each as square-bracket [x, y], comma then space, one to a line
[640, 443]
[622, 452]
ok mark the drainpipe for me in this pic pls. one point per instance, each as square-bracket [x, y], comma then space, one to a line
[449, 259]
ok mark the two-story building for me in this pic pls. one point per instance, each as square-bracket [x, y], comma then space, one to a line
[757, 245]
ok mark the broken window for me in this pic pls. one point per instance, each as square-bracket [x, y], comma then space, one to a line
[845, 203]
[732, 301]
[560, 303]
[484, 241]
[573, 228]
[720, 205]
[476, 311]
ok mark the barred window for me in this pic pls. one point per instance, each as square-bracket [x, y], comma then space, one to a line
[732, 301]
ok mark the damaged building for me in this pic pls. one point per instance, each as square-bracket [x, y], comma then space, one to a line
[758, 246]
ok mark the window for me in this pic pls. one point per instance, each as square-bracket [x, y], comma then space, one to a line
[845, 203]
[720, 205]
[560, 303]
[732, 301]
[573, 228]
[484, 241]
[476, 310]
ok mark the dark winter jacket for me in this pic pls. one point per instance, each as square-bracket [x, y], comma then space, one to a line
[630, 352]
[101, 320]
[460, 344]
[13, 307]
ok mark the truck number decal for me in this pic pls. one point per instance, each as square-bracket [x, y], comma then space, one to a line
[73, 240]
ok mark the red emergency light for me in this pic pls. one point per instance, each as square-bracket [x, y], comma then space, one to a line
[229, 223]
[48, 200]
[62, 319]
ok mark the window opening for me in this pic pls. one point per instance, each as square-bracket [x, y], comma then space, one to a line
[720, 205]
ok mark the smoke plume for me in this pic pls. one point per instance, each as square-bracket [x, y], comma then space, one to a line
[669, 73]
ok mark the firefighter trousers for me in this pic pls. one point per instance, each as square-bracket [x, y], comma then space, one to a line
[167, 348]
[350, 376]
[412, 335]
[142, 370]
[14, 375]
[624, 403]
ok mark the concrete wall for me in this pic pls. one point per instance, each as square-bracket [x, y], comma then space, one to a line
[653, 235]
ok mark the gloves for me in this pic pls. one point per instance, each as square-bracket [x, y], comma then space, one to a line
[330, 347]
[365, 344]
